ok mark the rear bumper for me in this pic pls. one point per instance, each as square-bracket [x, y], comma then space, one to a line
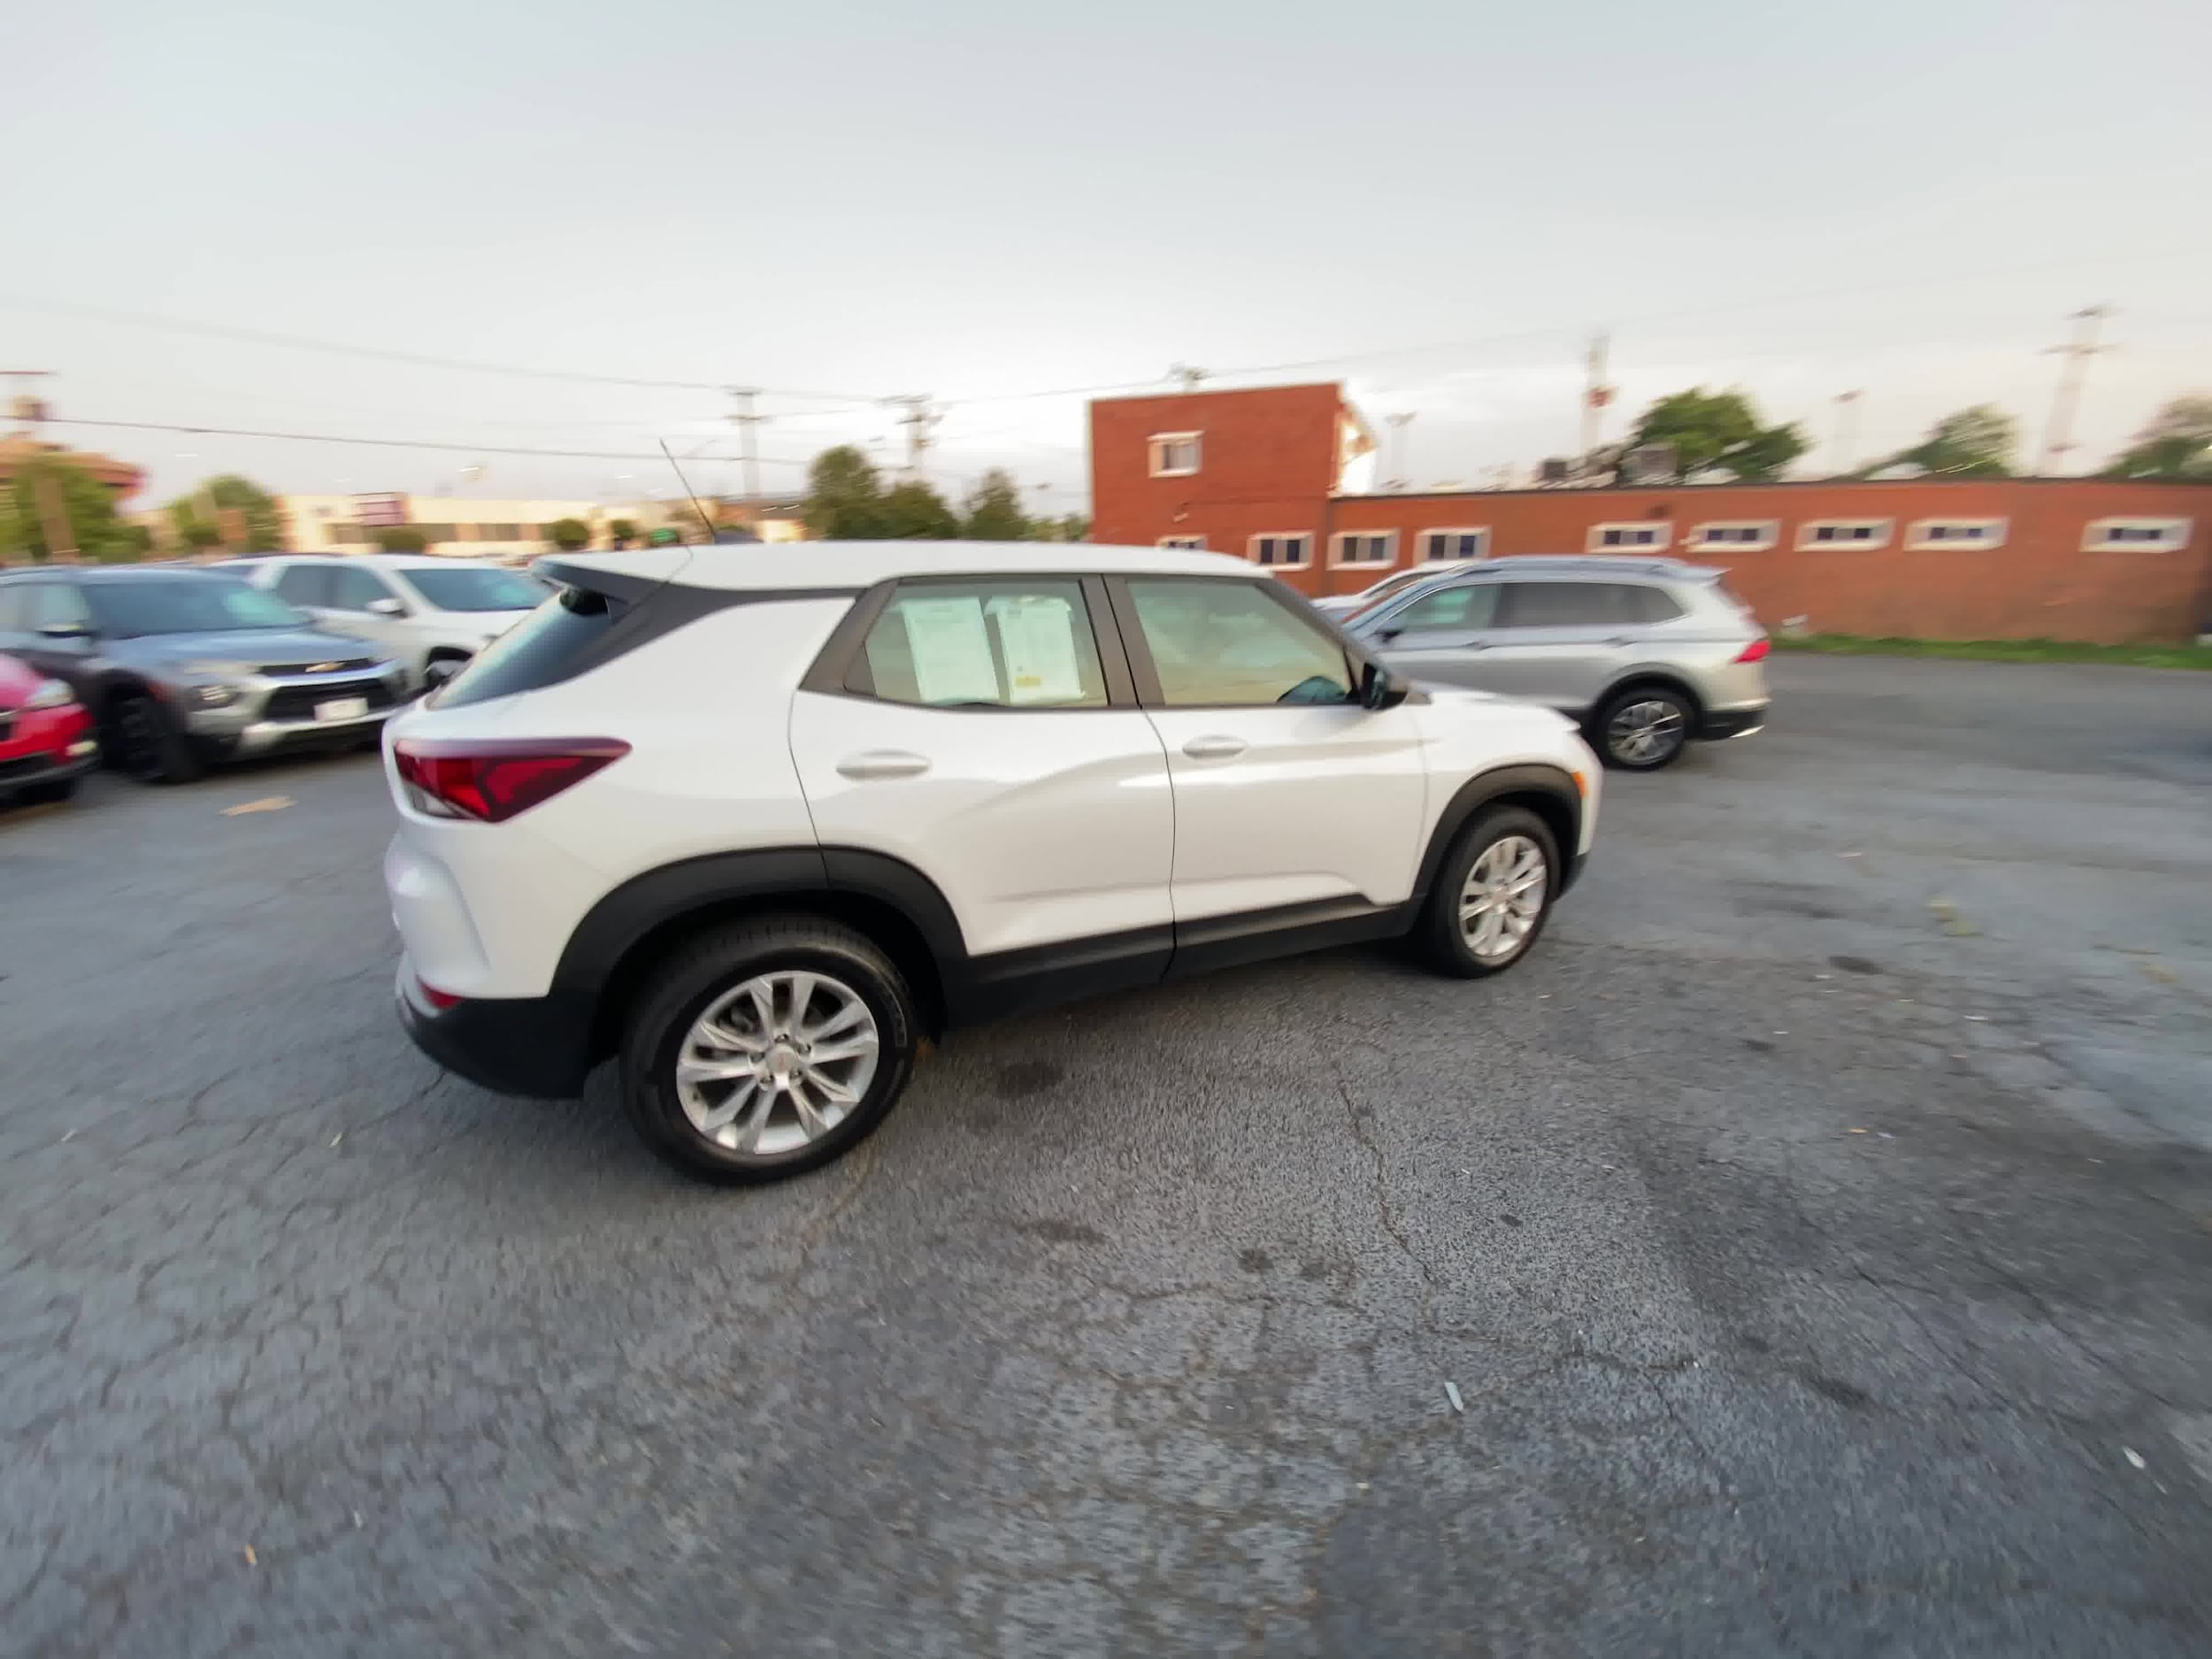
[517, 1044]
[1722, 723]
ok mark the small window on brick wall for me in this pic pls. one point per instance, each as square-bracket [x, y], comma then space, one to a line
[1364, 547]
[1736, 535]
[1859, 533]
[1454, 544]
[1292, 549]
[1173, 454]
[2134, 535]
[1929, 534]
[1190, 543]
[1644, 536]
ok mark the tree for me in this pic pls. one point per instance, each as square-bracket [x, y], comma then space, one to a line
[913, 512]
[1718, 430]
[844, 501]
[1075, 527]
[1976, 442]
[995, 509]
[200, 536]
[621, 532]
[569, 534]
[2177, 444]
[80, 498]
[227, 493]
[401, 538]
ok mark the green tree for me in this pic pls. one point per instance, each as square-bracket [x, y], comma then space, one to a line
[199, 535]
[569, 534]
[2177, 444]
[1075, 527]
[844, 498]
[401, 538]
[1718, 430]
[133, 541]
[85, 503]
[230, 494]
[621, 532]
[995, 509]
[1976, 442]
[913, 512]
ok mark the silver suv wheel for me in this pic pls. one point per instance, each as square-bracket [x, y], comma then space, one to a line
[774, 1065]
[1645, 732]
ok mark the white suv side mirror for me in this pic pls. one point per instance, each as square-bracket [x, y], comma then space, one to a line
[387, 608]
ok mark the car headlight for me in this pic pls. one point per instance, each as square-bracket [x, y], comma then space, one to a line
[50, 693]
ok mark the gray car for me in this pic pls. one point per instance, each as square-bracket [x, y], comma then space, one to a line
[183, 667]
[1645, 654]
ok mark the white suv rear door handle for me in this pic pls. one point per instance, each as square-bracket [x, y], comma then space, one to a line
[1215, 748]
[882, 763]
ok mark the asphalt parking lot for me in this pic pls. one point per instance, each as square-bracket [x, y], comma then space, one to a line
[1816, 1233]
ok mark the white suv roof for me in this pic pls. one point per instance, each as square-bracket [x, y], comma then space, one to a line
[756, 564]
[374, 561]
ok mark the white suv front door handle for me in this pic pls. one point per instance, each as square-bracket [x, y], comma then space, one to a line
[881, 762]
[1215, 748]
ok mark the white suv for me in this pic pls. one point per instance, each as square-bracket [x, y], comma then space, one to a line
[759, 820]
[431, 614]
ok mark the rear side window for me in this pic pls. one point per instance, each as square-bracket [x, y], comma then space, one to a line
[1010, 645]
[305, 584]
[548, 645]
[1652, 604]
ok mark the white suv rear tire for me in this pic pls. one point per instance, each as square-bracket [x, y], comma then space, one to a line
[766, 1048]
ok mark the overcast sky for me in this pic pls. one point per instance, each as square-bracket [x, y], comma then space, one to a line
[980, 200]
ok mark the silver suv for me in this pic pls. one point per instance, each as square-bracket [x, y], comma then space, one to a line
[433, 614]
[1645, 654]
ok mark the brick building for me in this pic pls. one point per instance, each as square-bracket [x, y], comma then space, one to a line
[1272, 473]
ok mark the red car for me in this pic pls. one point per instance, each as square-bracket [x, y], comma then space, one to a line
[46, 741]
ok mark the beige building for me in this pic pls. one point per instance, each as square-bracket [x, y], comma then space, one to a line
[449, 525]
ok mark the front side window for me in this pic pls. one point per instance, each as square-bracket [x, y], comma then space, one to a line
[59, 606]
[1467, 606]
[186, 605]
[477, 587]
[354, 589]
[304, 584]
[1229, 643]
[987, 644]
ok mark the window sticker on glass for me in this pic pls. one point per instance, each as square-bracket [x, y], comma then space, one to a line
[1037, 633]
[952, 652]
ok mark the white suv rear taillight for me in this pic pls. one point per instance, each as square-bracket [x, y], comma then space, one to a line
[491, 780]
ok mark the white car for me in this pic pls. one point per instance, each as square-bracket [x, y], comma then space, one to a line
[758, 821]
[1343, 605]
[430, 614]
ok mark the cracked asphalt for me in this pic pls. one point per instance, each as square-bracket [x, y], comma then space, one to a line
[1816, 1233]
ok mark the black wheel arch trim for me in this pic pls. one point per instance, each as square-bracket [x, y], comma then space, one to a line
[1664, 678]
[1549, 784]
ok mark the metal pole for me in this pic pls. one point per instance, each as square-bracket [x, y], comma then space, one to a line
[2058, 436]
[1846, 429]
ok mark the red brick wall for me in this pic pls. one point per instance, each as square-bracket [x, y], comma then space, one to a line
[1276, 450]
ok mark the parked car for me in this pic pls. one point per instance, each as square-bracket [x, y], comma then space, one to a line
[1644, 654]
[46, 741]
[429, 614]
[759, 820]
[183, 667]
[1342, 605]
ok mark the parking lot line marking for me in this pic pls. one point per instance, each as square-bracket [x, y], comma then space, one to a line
[266, 803]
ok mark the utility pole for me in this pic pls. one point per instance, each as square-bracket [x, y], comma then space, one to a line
[1846, 429]
[2058, 437]
[747, 421]
[920, 421]
[1398, 424]
[1596, 394]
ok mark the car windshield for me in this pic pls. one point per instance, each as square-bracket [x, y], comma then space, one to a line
[204, 604]
[478, 588]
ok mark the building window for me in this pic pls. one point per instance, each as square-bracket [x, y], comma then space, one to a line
[1736, 535]
[1851, 533]
[2134, 535]
[1188, 543]
[1942, 533]
[1364, 547]
[1454, 544]
[1174, 454]
[1642, 537]
[1294, 549]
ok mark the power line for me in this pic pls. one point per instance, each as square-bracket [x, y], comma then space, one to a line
[379, 354]
[401, 443]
